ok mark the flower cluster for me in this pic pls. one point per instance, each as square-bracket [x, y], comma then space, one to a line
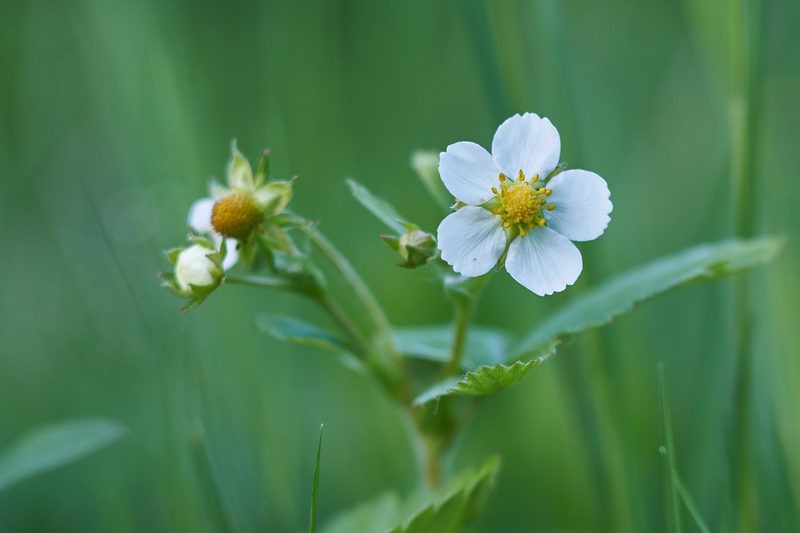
[517, 207]
[226, 225]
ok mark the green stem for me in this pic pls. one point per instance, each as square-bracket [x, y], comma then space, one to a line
[461, 327]
[360, 289]
[340, 317]
[741, 101]
[260, 281]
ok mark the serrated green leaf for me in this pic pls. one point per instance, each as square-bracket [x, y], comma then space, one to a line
[379, 207]
[290, 329]
[55, 445]
[424, 511]
[618, 295]
[484, 346]
[483, 380]
[465, 498]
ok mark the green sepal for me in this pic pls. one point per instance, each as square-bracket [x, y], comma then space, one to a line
[392, 241]
[240, 174]
[199, 238]
[273, 197]
[194, 302]
[289, 220]
[561, 167]
[274, 238]
[262, 170]
[172, 255]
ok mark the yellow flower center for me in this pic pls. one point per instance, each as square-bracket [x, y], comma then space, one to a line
[235, 215]
[521, 202]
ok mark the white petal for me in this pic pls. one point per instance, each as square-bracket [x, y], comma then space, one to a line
[231, 254]
[469, 173]
[200, 215]
[544, 261]
[471, 240]
[528, 143]
[582, 205]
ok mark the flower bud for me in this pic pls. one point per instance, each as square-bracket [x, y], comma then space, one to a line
[416, 247]
[197, 270]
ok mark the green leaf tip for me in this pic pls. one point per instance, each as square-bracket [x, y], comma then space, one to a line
[380, 208]
[312, 528]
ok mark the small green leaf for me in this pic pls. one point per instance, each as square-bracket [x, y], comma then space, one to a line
[290, 329]
[425, 511]
[484, 345]
[55, 445]
[482, 381]
[379, 207]
[618, 295]
[275, 238]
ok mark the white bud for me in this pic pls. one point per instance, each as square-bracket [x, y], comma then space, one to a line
[195, 268]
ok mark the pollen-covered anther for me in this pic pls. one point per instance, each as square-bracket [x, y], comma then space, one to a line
[235, 215]
[521, 203]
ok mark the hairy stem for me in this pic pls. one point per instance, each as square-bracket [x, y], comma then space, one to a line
[461, 327]
[360, 290]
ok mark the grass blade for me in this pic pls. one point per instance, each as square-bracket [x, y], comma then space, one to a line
[312, 527]
[676, 487]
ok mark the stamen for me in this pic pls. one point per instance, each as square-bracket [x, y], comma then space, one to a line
[503, 177]
[521, 231]
[494, 190]
[535, 178]
[550, 207]
[521, 176]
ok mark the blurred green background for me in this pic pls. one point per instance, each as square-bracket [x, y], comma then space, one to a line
[113, 117]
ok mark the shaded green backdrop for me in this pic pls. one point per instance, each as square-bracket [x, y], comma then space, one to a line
[114, 115]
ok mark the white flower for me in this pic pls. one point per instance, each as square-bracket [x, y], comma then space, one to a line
[195, 271]
[509, 209]
[235, 212]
